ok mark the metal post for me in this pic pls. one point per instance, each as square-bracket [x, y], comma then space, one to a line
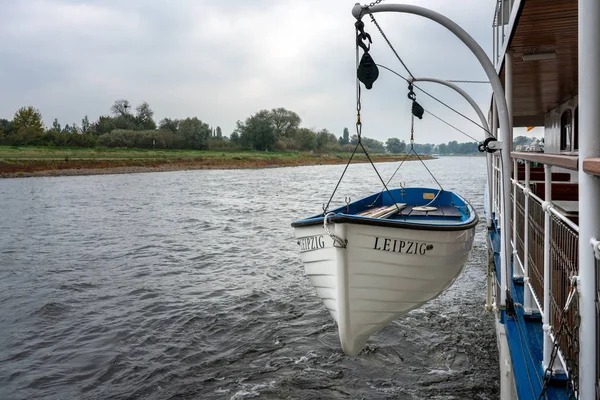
[508, 84]
[517, 272]
[495, 192]
[528, 299]
[494, 44]
[589, 187]
[546, 317]
[507, 145]
[502, 13]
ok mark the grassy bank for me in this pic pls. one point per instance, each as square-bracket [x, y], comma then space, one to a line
[44, 161]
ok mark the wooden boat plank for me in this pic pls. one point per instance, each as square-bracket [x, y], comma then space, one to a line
[406, 210]
[450, 211]
[437, 213]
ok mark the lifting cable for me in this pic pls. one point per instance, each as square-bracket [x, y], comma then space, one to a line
[442, 103]
[413, 77]
[367, 70]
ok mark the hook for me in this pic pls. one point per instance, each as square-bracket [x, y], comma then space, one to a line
[362, 35]
[411, 95]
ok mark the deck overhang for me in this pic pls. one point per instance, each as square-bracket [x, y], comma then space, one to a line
[548, 30]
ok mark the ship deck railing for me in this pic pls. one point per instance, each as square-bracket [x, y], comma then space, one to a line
[532, 214]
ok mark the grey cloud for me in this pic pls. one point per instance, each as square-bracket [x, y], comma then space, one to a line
[223, 61]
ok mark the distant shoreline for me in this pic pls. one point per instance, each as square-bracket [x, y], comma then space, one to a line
[35, 162]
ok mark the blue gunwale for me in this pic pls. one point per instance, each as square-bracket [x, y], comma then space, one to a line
[412, 197]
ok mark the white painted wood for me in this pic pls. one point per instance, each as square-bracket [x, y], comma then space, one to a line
[367, 285]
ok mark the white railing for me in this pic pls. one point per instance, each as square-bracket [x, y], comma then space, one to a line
[500, 27]
[545, 245]
[596, 246]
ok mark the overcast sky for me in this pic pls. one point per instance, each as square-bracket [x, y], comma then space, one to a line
[224, 60]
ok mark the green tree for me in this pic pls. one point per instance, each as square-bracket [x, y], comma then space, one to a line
[195, 133]
[105, 124]
[6, 130]
[373, 145]
[453, 147]
[345, 138]
[521, 140]
[235, 138]
[424, 148]
[169, 124]
[306, 139]
[326, 141]
[395, 146]
[85, 125]
[121, 108]
[144, 117]
[258, 131]
[28, 117]
[285, 122]
[442, 148]
[56, 127]
[219, 133]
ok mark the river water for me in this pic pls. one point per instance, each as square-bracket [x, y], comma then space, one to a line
[188, 285]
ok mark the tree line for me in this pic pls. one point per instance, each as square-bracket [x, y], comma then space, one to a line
[278, 129]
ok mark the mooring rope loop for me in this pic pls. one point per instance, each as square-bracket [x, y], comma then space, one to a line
[336, 239]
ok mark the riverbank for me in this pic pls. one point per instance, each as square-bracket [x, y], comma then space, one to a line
[20, 162]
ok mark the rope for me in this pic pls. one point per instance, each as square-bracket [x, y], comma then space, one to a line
[336, 239]
[340, 180]
[451, 126]
[359, 143]
[438, 100]
[379, 176]
[412, 150]
[390, 44]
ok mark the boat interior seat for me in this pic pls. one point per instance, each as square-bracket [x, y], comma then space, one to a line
[442, 211]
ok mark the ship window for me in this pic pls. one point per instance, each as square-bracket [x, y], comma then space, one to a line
[576, 137]
[566, 129]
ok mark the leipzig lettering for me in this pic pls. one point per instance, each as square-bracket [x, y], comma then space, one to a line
[311, 243]
[401, 246]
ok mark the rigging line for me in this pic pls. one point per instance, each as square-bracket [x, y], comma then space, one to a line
[340, 180]
[436, 99]
[380, 178]
[436, 181]
[394, 174]
[390, 44]
[452, 126]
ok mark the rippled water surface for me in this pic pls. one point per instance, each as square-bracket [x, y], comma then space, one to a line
[185, 285]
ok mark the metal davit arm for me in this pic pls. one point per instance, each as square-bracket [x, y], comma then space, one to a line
[358, 12]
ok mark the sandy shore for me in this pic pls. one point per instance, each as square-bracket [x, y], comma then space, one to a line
[103, 167]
